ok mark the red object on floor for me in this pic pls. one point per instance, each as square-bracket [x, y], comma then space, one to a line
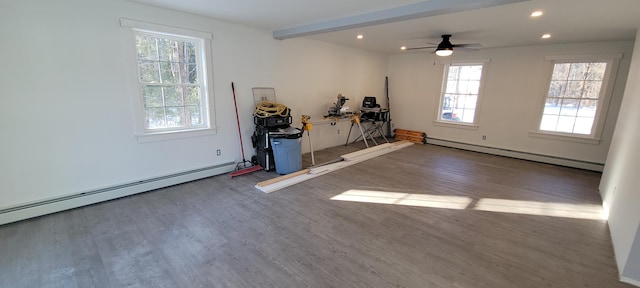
[245, 171]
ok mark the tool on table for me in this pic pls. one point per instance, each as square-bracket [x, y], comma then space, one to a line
[337, 110]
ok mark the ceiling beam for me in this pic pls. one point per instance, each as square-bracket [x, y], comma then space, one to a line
[407, 12]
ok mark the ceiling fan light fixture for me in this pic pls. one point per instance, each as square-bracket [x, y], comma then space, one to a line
[444, 52]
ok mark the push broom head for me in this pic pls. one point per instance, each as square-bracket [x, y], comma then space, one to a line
[244, 167]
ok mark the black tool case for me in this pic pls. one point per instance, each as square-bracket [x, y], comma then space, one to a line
[273, 121]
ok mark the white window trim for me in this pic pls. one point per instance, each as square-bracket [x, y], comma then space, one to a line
[613, 63]
[462, 125]
[140, 133]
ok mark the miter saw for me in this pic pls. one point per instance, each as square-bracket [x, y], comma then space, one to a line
[337, 110]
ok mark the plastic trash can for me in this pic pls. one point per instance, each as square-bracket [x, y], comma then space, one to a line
[287, 151]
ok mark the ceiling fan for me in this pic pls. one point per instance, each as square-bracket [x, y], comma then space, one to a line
[445, 48]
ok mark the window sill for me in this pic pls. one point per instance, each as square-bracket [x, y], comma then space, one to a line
[459, 125]
[564, 137]
[172, 135]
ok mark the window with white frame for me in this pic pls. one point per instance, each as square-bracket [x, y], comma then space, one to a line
[172, 78]
[170, 85]
[577, 96]
[460, 92]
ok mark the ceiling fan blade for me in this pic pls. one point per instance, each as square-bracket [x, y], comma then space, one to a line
[465, 49]
[468, 45]
[418, 48]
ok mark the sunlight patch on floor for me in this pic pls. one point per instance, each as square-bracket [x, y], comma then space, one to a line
[578, 211]
[565, 210]
[407, 199]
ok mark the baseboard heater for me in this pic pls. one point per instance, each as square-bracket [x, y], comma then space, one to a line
[519, 155]
[57, 204]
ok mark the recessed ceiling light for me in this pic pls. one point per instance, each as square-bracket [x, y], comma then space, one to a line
[403, 48]
[360, 36]
[536, 13]
[546, 36]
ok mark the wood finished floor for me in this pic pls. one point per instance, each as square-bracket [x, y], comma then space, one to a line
[218, 232]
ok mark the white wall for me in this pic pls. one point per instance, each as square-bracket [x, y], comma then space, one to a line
[66, 113]
[511, 98]
[620, 184]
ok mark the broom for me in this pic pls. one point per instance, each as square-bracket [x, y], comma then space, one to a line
[245, 166]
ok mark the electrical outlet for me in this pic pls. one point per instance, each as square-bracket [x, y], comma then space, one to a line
[484, 137]
[218, 152]
[338, 131]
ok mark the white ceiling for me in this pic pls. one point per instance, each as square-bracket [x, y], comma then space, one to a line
[568, 21]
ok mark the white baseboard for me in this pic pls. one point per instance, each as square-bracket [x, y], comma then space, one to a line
[30, 210]
[519, 155]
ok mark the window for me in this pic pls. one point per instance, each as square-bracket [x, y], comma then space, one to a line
[171, 75]
[460, 91]
[577, 96]
[170, 84]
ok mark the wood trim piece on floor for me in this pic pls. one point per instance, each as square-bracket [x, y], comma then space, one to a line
[278, 183]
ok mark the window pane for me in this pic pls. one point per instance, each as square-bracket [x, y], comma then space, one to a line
[149, 72]
[152, 96]
[588, 108]
[565, 124]
[174, 116]
[453, 72]
[190, 53]
[592, 89]
[147, 48]
[193, 96]
[569, 107]
[165, 50]
[467, 115]
[552, 107]
[452, 86]
[169, 71]
[470, 72]
[583, 125]
[474, 86]
[463, 87]
[172, 96]
[470, 102]
[465, 73]
[155, 118]
[549, 123]
[561, 71]
[574, 89]
[556, 89]
[194, 114]
[578, 71]
[596, 71]
[192, 74]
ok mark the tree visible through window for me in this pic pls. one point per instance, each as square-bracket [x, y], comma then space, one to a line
[460, 95]
[573, 98]
[171, 86]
